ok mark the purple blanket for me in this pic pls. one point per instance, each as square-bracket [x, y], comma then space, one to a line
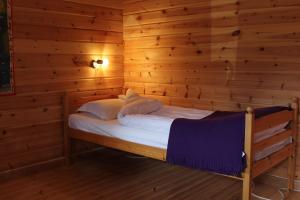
[214, 143]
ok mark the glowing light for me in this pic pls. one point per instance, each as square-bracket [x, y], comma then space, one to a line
[103, 63]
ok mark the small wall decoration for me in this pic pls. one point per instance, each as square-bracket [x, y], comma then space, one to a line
[6, 51]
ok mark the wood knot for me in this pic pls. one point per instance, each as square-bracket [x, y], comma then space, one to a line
[236, 33]
[199, 52]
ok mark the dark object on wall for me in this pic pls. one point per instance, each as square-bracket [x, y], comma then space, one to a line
[6, 61]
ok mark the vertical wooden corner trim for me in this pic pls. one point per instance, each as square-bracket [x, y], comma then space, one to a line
[249, 120]
[66, 128]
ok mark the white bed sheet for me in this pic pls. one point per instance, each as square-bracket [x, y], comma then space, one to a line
[112, 128]
[161, 120]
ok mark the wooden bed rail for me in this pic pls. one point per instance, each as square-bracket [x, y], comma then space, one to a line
[273, 120]
[130, 147]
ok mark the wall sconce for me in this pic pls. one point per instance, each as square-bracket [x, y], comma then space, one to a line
[97, 63]
[100, 63]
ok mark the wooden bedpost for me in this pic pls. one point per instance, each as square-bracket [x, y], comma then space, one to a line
[248, 151]
[66, 129]
[292, 158]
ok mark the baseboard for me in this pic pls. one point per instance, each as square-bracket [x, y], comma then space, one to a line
[34, 168]
[41, 166]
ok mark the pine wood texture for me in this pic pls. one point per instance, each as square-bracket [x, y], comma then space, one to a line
[213, 54]
[54, 43]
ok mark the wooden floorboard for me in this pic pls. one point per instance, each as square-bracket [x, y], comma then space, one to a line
[112, 175]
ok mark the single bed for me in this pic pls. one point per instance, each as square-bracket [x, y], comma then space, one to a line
[268, 140]
[158, 139]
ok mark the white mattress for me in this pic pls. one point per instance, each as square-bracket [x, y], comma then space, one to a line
[112, 128]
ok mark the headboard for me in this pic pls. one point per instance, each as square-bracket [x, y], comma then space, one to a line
[73, 100]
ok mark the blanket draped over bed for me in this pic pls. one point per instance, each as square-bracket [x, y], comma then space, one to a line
[214, 143]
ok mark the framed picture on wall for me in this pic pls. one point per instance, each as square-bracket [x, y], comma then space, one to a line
[6, 49]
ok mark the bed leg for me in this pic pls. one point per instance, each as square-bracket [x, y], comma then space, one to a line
[291, 175]
[67, 150]
[292, 158]
[247, 175]
[246, 187]
[67, 146]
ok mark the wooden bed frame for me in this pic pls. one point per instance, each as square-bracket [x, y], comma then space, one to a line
[73, 100]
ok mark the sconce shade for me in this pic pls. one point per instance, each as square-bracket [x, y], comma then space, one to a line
[97, 63]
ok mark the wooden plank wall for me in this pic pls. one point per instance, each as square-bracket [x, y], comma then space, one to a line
[214, 54]
[55, 41]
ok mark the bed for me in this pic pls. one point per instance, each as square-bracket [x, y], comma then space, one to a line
[267, 141]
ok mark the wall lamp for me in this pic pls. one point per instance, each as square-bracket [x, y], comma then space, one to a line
[100, 63]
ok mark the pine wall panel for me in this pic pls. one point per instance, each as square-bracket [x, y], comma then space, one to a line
[54, 43]
[213, 54]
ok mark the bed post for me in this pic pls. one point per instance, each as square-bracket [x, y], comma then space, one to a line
[249, 119]
[66, 129]
[292, 158]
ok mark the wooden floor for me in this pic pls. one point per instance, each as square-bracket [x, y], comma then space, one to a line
[112, 175]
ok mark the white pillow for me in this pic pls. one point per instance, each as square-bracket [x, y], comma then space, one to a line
[130, 96]
[131, 93]
[106, 109]
[140, 106]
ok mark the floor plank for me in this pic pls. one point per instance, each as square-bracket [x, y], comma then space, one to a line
[113, 175]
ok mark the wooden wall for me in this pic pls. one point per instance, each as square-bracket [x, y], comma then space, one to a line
[54, 43]
[214, 54]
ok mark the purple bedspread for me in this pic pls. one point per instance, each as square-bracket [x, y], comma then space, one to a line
[214, 143]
